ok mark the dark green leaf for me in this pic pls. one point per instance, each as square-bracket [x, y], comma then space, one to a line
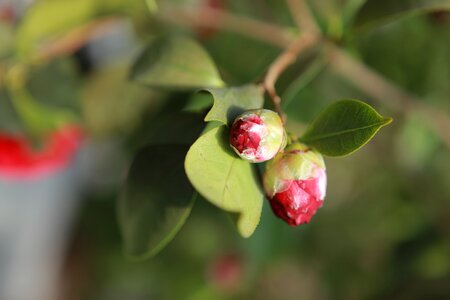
[343, 127]
[156, 200]
[230, 102]
[224, 179]
[177, 62]
[9, 120]
[56, 84]
[303, 80]
[181, 128]
[38, 118]
[378, 11]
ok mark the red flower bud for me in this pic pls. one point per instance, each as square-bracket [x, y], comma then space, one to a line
[257, 135]
[295, 182]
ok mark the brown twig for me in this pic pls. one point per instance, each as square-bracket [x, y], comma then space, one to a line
[219, 19]
[75, 39]
[281, 63]
[302, 16]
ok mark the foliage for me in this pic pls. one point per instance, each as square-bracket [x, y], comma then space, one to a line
[154, 104]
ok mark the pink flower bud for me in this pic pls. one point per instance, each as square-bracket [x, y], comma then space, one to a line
[257, 135]
[295, 182]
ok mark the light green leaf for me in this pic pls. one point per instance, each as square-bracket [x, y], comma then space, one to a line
[231, 102]
[224, 179]
[343, 127]
[152, 5]
[374, 12]
[49, 18]
[177, 62]
[156, 200]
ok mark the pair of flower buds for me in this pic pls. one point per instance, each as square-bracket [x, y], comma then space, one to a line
[294, 179]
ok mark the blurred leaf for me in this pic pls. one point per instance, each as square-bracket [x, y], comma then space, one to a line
[374, 12]
[9, 120]
[6, 38]
[199, 102]
[112, 105]
[231, 102]
[56, 84]
[305, 78]
[240, 65]
[156, 200]
[152, 5]
[343, 127]
[180, 128]
[224, 179]
[39, 119]
[415, 143]
[329, 16]
[177, 62]
[48, 18]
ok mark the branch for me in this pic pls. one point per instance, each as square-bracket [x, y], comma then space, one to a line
[281, 63]
[302, 16]
[387, 93]
[75, 39]
[214, 18]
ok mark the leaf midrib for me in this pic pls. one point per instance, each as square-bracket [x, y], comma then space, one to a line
[334, 134]
[224, 188]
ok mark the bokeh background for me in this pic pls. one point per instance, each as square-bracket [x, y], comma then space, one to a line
[68, 133]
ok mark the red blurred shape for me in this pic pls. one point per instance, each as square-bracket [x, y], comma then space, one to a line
[206, 33]
[7, 14]
[19, 160]
[226, 272]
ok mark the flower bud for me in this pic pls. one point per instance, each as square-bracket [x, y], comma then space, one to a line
[257, 135]
[295, 183]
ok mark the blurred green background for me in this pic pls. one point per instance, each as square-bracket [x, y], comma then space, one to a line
[384, 230]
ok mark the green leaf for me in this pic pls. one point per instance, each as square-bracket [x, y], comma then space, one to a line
[224, 179]
[39, 119]
[303, 80]
[177, 62]
[9, 120]
[156, 200]
[231, 102]
[181, 128]
[7, 36]
[49, 18]
[374, 12]
[152, 5]
[343, 127]
[112, 105]
[65, 94]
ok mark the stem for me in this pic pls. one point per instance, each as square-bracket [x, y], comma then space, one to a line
[302, 15]
[75, 39]
[281, 63]
[214, 18]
